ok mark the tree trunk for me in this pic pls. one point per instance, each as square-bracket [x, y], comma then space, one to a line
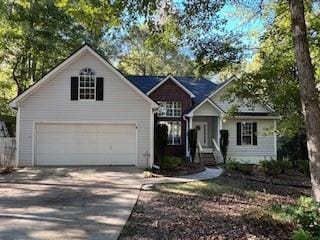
[308, 93]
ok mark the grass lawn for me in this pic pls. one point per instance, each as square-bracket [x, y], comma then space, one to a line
[229, 207]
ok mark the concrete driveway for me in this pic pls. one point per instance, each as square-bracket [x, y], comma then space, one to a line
[67, 203]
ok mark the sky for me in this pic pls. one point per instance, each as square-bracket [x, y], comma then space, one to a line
[250, 29]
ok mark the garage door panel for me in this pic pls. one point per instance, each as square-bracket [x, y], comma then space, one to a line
[82, 138]
[91, 159]
[86, 148]
[85, 144]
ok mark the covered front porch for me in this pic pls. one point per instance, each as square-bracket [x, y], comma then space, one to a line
[207, 119]
[208, 131]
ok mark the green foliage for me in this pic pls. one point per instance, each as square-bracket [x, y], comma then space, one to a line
[170, 162]
[301, 235]
[293, 148]
[307, 213]
[224, 142]
[244, 168]
[150, 53]
[271, 77]
[161, 140]
[302, 166]
[10, 122]
[192, 137]
[275, 167]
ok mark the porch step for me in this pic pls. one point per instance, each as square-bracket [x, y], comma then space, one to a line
[207, 159]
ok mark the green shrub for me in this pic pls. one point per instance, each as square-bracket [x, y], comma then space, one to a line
[224, 142]
[307, 213]
[161, 140]
[192, 137]
[303, 167]
[275, 167]
[170, 162]
[245, 168]
[232, 165]
[301, 235]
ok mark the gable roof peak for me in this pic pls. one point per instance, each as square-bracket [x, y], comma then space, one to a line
[175, 81]
[62, 65]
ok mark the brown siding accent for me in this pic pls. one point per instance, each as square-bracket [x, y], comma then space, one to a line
[170, 91]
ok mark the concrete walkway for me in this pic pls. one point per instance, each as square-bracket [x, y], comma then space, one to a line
[208, 173]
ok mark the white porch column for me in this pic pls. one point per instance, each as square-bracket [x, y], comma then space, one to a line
[219, 128]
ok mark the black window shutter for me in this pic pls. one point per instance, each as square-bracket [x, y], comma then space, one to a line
[74, 88]
[99, 88]
[238, 133]
[254, 129]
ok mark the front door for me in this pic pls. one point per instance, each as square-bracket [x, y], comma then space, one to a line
[202, 133]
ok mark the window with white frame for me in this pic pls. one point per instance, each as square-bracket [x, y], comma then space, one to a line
[169, 109]
[87, 84]
[247, 133]
[174, 132]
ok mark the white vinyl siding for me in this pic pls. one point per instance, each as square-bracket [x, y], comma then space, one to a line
[52, 103]
[226, 105]
[206, 109]
[251, 153]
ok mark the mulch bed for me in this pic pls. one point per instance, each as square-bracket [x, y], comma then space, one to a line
[185, 169]
[289, 178]
[161, 214]
[7, 170]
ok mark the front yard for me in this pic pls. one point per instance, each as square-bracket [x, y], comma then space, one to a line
[229, 207]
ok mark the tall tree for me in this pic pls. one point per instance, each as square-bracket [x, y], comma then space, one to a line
[35, 35]
[309, 95]
[147, 53]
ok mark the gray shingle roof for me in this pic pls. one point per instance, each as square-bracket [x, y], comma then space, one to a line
[200, 87]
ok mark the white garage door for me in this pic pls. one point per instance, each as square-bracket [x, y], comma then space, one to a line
[85, 144]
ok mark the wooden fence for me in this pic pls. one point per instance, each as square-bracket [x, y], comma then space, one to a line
[7, 152]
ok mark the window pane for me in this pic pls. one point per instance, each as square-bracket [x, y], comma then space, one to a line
[246, 140]
[246, 133]
[87, 84]
[174, 131]
[177, 140]
[177, 112]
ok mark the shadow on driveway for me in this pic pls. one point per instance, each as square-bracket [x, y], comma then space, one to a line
[67, 203]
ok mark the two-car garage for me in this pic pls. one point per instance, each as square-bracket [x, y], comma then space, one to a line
[85, 144]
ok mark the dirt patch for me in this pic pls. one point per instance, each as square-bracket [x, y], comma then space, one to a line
[227, 208]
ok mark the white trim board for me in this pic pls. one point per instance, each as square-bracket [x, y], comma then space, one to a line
[190, 114]
[169, 77]
[68, 61]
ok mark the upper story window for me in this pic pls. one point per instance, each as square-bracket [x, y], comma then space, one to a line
[169, 109]
[87, 84]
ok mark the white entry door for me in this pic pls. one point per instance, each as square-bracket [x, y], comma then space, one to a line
[85, 144]
[202, 133]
